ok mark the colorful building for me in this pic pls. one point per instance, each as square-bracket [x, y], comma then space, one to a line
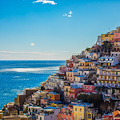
[88, 88]
[53, 96]
[108, 61]
[116, 115]
[80, 111]
[108, 76]
[74, 91]
[66, 114]
[66, 90]
[86, 64]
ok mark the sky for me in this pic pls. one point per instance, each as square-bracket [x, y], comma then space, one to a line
[53, 29]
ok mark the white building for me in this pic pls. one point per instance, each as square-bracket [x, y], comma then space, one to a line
[108, 61]
[48, 113]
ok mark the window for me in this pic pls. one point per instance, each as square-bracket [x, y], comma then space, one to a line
[75, 109]
[90, 88]
[66, 89]
[75, 117]
[116, 35]
[80, 110]
[89, 116]
[86, 88]
[40, 118]
[116, 73]
[70, 118]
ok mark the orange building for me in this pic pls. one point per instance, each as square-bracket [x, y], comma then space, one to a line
[53, 96]
[116, 115]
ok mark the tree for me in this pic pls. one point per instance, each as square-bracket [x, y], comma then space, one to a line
[106, 46]
[96, 99]
[87, 49]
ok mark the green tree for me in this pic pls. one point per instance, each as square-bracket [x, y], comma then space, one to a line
[87, 49]
[107, 46]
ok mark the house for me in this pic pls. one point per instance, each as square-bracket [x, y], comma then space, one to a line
[79, 78]
[48, 113]
[116, 115]
[108, 76]
[21, 97]
[116, 49]
[53, 96]
[88, 89]
[92, 56]
[44, 101]
[86, 64]
[91, 113]
[66, 114]
[79, 111]
[71, 75]
[66, 90]
[33, 110]
[107, 117]
[74, 91]
[108, 61]
[109, 36]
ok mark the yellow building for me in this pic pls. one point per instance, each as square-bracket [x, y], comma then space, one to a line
[108, 75]
[54, 96]
[90, 113]
[84, 112]
[79, 112]
[108, 37]
[66, 89]
[86, 65]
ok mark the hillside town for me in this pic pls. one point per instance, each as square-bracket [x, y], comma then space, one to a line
[87, 88]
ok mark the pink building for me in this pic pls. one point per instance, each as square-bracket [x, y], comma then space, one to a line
[44, 101]
[88, 88]
[74, 91]
[66, 114]
[116, 35]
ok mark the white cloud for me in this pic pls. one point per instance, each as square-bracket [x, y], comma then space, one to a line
[65, 14]
[69, 14]
[32, 44]
[45, 2]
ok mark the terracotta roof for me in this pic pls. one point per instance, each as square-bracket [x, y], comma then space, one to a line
[115, 113]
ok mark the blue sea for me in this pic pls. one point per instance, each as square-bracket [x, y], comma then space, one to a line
[18, 75]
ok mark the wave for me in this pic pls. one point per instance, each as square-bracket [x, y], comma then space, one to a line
[28, 69]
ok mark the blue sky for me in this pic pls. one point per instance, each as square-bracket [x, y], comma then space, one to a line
[53, 29]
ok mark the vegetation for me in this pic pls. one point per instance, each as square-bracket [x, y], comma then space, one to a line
[87, 49]
[106, 47]
[96, 99]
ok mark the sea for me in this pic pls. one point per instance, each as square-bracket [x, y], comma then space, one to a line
[18, 75]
